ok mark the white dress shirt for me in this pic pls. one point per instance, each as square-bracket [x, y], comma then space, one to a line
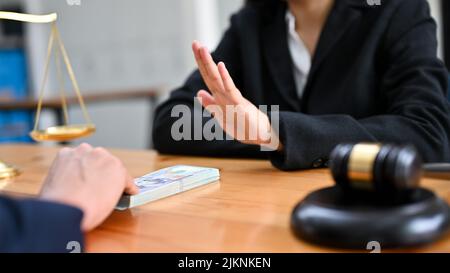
[301, 58]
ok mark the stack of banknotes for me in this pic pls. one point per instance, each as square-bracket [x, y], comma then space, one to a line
[167, 182]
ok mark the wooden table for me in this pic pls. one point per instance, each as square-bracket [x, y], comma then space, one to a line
[248, 211]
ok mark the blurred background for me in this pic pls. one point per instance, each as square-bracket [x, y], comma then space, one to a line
[127, 56]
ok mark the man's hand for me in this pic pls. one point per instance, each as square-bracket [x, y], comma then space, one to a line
[245, 122]
[90, 179]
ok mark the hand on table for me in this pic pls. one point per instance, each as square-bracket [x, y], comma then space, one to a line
[90, 179]
[246, 123]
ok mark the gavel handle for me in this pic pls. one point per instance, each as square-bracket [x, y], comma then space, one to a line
[437, 170]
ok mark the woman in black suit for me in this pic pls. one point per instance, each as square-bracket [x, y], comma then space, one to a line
[340, 71]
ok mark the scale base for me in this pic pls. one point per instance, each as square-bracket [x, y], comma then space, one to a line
[8, 171]
[333, 218]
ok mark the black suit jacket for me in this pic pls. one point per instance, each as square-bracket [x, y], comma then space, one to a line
[375, 77]
[35, 226]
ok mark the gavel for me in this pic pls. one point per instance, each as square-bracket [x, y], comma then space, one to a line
[377, 197]
[386, 169]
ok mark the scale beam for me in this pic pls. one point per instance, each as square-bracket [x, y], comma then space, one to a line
[29, 18]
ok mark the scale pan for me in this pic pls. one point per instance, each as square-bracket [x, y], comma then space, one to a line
[7, 171]
[63, 133]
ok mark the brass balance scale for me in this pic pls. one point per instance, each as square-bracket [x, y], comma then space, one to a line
[65, 132]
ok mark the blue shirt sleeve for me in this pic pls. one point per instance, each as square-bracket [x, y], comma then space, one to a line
[38, 226]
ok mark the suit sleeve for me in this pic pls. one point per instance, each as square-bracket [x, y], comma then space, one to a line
[414, 89]
[35, 226]
[228, 52]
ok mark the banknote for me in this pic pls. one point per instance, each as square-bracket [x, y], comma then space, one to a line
[168, 181]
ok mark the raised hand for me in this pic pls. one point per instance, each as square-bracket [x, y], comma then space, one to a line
[237, 116]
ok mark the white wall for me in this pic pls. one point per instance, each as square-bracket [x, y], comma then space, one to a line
[437, 14]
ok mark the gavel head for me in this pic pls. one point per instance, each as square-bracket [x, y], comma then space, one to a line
[387, 170]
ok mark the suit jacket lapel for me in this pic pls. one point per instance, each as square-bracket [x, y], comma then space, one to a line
[278, 58]
[342, 16]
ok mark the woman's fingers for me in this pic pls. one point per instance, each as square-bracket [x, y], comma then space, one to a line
[211, 105]
[205, 98]
[196, 48]
[211, 71]
[228, 83]
[201, 67]
[207, 74]
[216, 77]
